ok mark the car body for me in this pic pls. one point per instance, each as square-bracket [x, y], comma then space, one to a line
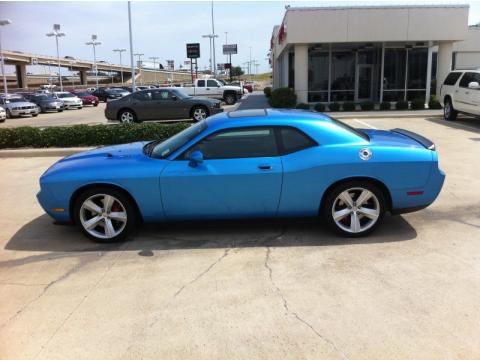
[246, 164]
[214, 89]
[70, 100]
[161, 104]
[16, 106]
[3, 114]
[249, 87]
[460, 92]
[107, 94]
[86, 97]
[46, 102]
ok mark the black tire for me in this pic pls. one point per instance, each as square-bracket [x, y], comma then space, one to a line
[449, 113]
[34, 115]
[9, 114]
[230, 98]
[196, 112]
[2, 120]
[122, 199]
[95, 105]
[355, 187]
[123, 116]
[59, 110]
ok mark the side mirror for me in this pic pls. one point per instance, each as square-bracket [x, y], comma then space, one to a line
[195, 158]
[473, 85]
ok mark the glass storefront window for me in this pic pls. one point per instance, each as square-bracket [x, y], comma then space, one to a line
[317, 71]
[393, 95]
[417, 68]
[394, 70]
[317, 96]
[343, 71]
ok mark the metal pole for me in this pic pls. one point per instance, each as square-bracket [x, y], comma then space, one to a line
[230, 59]
[5, 88]
[250, 62]
[58, 59]
[121, 67]
[211, 66]
[131, 46]
[213, 33]
[95, 64]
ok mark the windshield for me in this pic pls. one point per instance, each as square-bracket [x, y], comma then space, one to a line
[15, 99]
[222, 82]
[65, 95]
[169, 146]
[351, 129]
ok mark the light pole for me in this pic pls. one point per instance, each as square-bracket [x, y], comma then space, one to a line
[139, 63]
[214, 36]
[121, 66]
[250, 62]
[94, 43]
[212, 63]
[132, 65]
[154, 59]
[3, 23]
[57, 33]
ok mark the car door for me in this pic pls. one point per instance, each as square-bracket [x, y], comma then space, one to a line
[214, 89]
[166, 106]
[462, 98]
[240, 176]
[200, 89]
[143, 105]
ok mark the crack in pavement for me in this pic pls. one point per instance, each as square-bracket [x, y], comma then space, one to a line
[293, 313]
[21, 284]
[83, 299]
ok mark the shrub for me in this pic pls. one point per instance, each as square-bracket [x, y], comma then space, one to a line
[283, 98]
[434, 103]
[267, 91]
[418, 104]
[303, 106]
[319, 107]
[385, 105]
[367, 106]
[84, 135]
[334, 106]
[401, 105]
[348, 106]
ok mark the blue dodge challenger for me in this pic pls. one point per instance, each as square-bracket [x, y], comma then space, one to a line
[247, 164]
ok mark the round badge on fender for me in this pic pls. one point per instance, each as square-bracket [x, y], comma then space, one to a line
[365, 154]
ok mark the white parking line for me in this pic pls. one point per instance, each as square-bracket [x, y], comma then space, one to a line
[365, 124]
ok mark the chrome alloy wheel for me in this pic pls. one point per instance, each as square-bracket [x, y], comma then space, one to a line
[447, 109]
[103, 216]
[126, 117]
[199, 114]
[356, 210]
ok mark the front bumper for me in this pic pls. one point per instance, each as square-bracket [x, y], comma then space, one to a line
[73, 106]
[53, 107]
[21, 112]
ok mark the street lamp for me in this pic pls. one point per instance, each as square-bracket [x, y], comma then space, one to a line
[3, 23]
[94, 43]
[212, 65]
[121, 66]
[154, 59]
[57, 33]
[139, 63]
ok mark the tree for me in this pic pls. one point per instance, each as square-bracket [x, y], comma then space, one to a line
[236, 71]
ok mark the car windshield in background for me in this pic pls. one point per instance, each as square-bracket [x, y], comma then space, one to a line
[112, 91]
[15, 99]
[42, 97]
[351, 129]
[169, 146]
[65, 95]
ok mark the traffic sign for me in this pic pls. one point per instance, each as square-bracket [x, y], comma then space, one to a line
[193, 50]
[229, 49]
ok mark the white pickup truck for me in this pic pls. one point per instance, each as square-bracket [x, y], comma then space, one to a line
[213, 88]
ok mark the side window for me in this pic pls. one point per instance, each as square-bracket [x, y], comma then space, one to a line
[237, 143]
[467, 78]
[143, 95]
[452, 78]
[294, 140]
[212, 83]
[161, 95]
[201, 83]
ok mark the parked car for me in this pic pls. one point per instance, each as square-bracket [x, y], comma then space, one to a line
[106, 94]
[214, 89]
[16, 106]
[141, 87]
[87, 98]
[460, 92]
[46, 102]
[247, 164]
[249, 87]
[3, 114]
[160, 104]
[70, 100]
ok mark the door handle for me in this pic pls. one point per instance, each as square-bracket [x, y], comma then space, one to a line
[456, 90]
[207, 89]
[265, 167]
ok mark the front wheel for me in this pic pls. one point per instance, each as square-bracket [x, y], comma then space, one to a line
[449, 113]
[105, 214]
[354, 208]
[230, 99]
[199, 113]
[9, 114]
[127, 117]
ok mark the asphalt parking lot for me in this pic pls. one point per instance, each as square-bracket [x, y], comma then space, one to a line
[250, 290]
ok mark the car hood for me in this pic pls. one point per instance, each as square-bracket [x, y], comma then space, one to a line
[204, 99]
[19, 103]
[230, 87]
[123, 150]
[390, 138]
[70, 98]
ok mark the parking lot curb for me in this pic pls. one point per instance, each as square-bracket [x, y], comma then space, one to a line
[372, 115]
[46, 152]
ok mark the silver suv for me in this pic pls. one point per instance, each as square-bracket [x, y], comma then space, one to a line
[16, 106]
[460, 92]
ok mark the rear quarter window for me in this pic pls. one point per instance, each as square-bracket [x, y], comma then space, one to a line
[293, 140]
[452, 78]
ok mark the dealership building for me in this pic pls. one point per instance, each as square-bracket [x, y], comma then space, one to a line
[371, 53]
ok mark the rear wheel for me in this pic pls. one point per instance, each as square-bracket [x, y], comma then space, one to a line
[105, 214]
[230, 99]
[449, 113]
[199, 113]
[354, 208]
[127, 117]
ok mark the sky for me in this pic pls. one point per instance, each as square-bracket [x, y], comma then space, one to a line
[160, 28]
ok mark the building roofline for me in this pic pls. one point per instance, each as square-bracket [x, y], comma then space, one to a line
[348, 7]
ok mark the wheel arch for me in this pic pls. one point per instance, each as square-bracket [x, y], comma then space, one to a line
[126, 108]
[194, 106]
[447, 97]
[376, 182]
[84, 188]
